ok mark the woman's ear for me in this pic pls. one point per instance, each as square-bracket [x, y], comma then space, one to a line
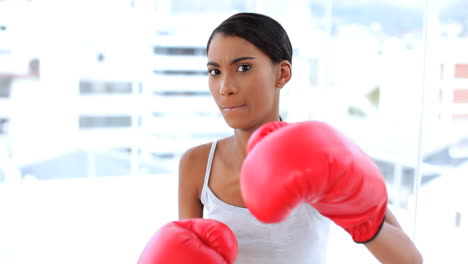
[283, 73]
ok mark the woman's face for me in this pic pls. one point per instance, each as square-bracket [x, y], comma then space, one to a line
[243, 82]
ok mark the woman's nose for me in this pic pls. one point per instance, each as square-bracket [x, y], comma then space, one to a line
[227, 87]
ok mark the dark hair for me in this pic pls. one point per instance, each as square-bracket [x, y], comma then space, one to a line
[262, 31]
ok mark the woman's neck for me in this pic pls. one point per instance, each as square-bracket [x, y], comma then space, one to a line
[239, 141]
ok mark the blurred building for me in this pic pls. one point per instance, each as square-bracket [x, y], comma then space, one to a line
[124, 101]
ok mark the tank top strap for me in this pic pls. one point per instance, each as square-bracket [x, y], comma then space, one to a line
[208, 170]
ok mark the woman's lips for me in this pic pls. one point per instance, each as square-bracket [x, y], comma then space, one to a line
[232, 108]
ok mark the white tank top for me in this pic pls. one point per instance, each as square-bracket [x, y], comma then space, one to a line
[301, 238]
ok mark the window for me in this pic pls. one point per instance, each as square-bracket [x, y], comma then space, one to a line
[392, 75]
[88, 87]
[3, 125]
[87, 122]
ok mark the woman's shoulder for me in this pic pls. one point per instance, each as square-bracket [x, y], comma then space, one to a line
[197, 156]
[192, 170]
[192, 166]
[194, 160]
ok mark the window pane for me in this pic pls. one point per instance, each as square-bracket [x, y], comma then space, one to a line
[95, 134]
[441, 200]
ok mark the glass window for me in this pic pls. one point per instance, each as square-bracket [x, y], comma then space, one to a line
[98, 141]
[208, 6]
[105, 121]
[104, 87]
[445, 121]
[3, 125]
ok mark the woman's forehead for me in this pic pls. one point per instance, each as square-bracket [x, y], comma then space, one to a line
[229, 47]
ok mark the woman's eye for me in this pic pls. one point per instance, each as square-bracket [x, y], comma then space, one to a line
[243, 68]
[213, 72]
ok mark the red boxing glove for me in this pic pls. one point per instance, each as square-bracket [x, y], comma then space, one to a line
[194, 241]
[312, 162]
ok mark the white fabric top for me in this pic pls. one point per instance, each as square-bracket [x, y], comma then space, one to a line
[301, 238]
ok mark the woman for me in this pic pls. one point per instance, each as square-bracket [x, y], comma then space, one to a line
[249, 61]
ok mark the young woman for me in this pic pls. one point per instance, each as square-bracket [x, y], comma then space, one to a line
[249, 61]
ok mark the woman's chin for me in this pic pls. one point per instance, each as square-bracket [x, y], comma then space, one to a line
[236, 123]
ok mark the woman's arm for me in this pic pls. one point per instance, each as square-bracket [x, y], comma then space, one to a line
[191, 175]
[392, 245]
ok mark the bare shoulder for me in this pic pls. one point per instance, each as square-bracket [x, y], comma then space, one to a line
[195, 157]
[192, 166]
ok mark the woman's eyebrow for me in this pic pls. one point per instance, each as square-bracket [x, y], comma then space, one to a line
[234, 61]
